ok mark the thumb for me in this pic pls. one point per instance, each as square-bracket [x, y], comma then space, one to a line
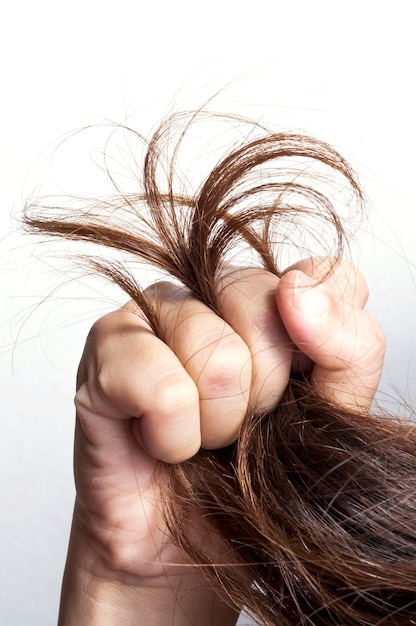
[326, 323]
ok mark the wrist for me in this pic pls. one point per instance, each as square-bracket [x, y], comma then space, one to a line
[96, 594]
[91, 594]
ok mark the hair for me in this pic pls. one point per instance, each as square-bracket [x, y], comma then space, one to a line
[314, 506]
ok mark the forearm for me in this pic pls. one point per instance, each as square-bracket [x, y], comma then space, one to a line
[95, 596]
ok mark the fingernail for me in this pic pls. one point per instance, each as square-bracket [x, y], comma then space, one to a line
[309, 298]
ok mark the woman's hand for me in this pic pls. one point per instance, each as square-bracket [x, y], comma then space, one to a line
[141, 399]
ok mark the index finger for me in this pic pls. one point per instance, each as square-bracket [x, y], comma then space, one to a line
[129, 374]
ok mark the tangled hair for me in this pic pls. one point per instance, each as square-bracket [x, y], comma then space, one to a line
[314, 507]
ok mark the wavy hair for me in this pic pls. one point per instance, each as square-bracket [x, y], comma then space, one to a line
[314, 507]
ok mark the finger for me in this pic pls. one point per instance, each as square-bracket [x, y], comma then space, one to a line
[326, 322]
[341, 276]
[345, 282]
[247, 301]
[213, 354]
[127, 372]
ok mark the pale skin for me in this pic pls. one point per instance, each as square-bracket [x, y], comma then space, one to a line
[141, 400]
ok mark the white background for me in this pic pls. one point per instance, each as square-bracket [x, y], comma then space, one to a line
[343, 71]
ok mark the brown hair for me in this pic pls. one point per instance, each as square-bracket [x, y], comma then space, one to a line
[314, 506]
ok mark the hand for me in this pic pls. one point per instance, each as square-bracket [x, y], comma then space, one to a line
[140, 399]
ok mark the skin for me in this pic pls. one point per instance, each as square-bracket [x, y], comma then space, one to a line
[140, 400]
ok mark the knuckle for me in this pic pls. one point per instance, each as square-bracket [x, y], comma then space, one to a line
[101, 326]
[167, 292]
[379, 341]
[226, 368]
[82, 399]
[106, 384]
[174, 393]
[372, 347]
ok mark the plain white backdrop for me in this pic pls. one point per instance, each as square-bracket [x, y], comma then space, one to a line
[342, 71]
